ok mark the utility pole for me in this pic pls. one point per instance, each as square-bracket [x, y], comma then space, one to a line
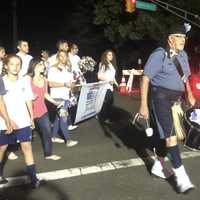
[14, 24]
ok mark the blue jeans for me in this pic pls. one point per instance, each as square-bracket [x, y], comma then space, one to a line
[44, 126]
[61, 122]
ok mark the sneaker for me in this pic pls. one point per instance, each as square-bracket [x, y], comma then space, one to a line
[12, 156]
[57, 140]
[159, 171]
[53, 157]
[3, 180]
[72, 127]
[71, 143]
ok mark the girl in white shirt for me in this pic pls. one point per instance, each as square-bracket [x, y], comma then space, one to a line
[107, 72]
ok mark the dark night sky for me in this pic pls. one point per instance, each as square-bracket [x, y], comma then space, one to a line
[40, 22]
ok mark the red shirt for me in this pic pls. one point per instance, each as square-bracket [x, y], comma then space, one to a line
[39, 106]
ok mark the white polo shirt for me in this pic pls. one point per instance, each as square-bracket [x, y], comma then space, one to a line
[52, 60]
[60, 76]
[26, 58]
[17, 93]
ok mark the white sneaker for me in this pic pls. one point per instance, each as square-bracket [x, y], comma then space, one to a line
[71, 143]
[12, 156]
[72, 127]
[159, 171]
[57, 140]
[53, 157]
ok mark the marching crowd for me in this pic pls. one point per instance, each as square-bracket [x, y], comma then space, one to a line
[27, 83]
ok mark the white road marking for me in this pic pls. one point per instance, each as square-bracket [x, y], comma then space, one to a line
[80, 171]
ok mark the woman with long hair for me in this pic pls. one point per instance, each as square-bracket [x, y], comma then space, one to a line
[40, 113]
[107, 72]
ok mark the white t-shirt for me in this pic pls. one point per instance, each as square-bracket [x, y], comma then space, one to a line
[52, 60]
[58, 76]
[18, 92]
[108, 74]
[26, 58]
[74, 59]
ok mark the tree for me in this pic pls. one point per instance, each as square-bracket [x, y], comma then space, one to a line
[79, 28]
[106, 24]
[119, 26]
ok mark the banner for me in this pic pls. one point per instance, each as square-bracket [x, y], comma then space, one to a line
[91, 100]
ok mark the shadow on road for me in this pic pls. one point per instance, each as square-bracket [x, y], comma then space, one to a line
[121, 130]
[26, 192]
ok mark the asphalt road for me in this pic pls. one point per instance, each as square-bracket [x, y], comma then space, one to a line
[111, 162]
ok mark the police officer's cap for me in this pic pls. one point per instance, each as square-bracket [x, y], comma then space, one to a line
[180, 29]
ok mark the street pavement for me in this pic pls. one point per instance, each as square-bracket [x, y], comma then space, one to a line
[111, 162]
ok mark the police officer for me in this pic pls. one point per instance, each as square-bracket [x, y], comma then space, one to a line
[166, 85]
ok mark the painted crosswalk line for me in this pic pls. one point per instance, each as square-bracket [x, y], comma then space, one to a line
[81, 171]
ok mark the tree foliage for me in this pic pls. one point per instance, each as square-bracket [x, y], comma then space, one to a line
[119, 26]
[106, 24]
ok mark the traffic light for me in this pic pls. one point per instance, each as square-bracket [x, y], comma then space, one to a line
[130, 5]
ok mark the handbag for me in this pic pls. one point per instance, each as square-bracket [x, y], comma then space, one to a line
[177, 115]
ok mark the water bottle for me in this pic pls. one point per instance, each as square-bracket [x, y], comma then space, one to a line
[148, 130]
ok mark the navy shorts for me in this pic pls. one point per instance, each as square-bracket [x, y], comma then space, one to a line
[163, 116]
[17, 136]
[162, 101]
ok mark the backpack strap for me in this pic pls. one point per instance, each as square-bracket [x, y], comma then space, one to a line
[179, 68]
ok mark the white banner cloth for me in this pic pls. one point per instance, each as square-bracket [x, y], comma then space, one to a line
[91, 100]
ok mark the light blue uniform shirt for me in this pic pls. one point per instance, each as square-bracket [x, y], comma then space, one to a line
[162, 71]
